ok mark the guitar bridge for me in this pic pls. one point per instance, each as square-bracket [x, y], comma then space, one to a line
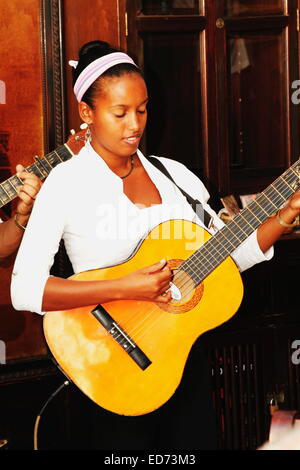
[121, 337]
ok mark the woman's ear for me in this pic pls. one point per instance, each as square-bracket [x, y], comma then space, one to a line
[85, 112]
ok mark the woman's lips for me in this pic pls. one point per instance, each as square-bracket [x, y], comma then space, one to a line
[133, 140]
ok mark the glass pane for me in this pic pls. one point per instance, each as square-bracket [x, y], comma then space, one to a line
[253, 7]
[257, 100]
[169, 7]
[174, 118]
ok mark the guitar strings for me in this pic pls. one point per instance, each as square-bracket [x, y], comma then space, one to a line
[223, 245]
[254, 205]
[140, 328]
[186, 290]
[241, 215]
[136, 332]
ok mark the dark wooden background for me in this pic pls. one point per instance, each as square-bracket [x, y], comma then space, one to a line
[231, 121]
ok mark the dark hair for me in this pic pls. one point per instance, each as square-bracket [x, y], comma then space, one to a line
[94, 50]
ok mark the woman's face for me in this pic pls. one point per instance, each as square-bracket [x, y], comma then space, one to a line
[119, 116]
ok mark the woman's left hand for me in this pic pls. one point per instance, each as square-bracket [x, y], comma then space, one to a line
[28, 191]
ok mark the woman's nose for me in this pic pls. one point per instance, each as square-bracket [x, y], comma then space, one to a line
[133, 123]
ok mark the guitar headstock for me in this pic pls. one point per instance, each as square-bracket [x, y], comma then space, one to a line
[76, 141]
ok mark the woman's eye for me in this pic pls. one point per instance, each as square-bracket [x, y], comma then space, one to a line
[140, 111]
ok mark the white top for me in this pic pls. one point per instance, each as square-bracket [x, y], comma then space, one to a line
[82, 201]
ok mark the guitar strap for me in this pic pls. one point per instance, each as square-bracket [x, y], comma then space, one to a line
[196, 205]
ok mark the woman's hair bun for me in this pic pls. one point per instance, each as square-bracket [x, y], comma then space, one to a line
[89, 52]
[95, 47]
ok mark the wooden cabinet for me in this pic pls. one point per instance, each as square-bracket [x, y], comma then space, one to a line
[38, 109]
[220, 82]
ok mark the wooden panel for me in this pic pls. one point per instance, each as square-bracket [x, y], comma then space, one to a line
[169, 7]
[254, 101]
[171, 23]
[89, 20]
[258, 123]
[174, 125]
[21, 117]
[253, 7]
[32, 112]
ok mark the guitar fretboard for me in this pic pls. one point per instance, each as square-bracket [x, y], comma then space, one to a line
[41, 168]
[201, 263]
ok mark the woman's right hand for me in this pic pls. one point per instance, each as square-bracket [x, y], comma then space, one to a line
[150, 283]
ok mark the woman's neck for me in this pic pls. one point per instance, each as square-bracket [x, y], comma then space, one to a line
[119, 164]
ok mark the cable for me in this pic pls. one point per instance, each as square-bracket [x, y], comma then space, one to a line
[37, 421]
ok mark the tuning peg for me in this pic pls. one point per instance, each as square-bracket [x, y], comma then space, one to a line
[83, 125]
[72, 132]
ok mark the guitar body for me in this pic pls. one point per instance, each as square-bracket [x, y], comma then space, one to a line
[101, 368]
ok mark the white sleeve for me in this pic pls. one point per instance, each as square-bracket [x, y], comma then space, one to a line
[39, 245]
[248, 253]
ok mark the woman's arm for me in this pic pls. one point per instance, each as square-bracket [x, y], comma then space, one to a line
[258, 246]
[33, 289]
[11, 231]
[148, 283]
[272, 229]
[11, 236]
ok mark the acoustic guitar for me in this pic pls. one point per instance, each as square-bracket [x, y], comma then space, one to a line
[42, 166]
[129, 356]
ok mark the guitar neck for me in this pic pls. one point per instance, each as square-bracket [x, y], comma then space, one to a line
[230, 237]
[41, 168]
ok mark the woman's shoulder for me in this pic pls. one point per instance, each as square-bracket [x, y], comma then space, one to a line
[170, 162]
[70, 168]
[176, 168]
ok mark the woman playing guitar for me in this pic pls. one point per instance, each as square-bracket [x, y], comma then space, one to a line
[102, 204]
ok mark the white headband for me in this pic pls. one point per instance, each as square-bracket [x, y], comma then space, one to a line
[96, 68]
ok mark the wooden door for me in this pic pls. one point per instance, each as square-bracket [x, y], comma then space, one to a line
[38, 109]
[219, 77]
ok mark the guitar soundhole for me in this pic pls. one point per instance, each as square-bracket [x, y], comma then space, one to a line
[190, 295]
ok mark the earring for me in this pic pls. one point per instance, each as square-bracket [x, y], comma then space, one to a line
[87, 136]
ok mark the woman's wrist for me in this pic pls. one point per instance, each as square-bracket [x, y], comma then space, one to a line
[118, 290]
[21, 220]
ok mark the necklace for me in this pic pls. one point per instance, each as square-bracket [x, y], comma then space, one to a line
[131, 169]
